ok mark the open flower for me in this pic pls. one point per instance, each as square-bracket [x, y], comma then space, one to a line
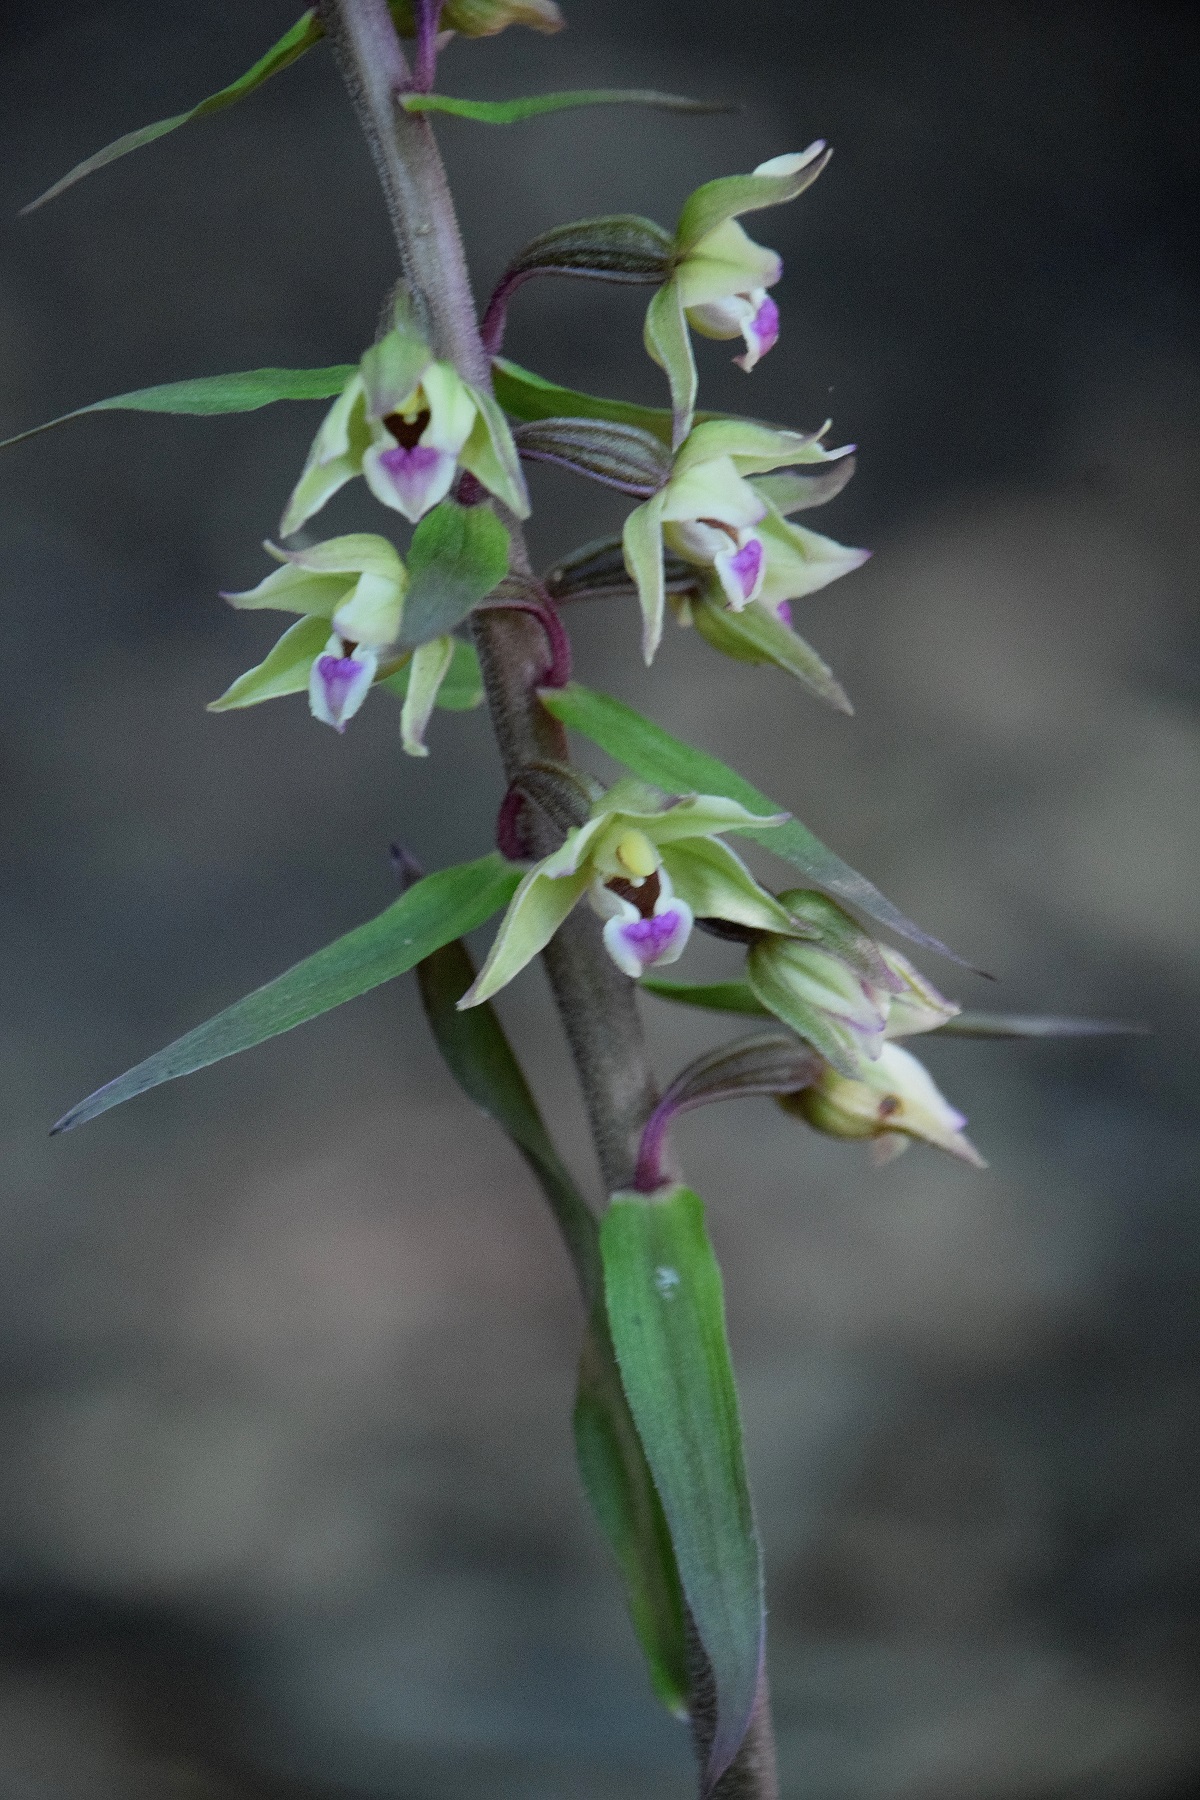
[649, 865]
[710, 513]
[837, 988]
[719, 276]
[349, 592]
[894, 1101]
[407, 422]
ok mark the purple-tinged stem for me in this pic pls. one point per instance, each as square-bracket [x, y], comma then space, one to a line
[428, 15]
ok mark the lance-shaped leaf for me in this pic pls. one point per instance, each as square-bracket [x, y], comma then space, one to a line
[666, 1312]
[621, 456]
[473, 18]
[597, 571]
[612, 1463]
[511, 112]
[528, 397]
[300, 37]
[656, 756]
[209, 396]
[457, 555]
[757, 635]
[1036, 1025]
[441, 907]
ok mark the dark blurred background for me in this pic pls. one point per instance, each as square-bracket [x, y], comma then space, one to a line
[287, 1500]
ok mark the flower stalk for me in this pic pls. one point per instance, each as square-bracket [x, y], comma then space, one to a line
[595, 1000]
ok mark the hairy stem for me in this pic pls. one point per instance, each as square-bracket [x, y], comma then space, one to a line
[595, 1000]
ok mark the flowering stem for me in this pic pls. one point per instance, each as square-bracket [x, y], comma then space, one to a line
[595, 1000]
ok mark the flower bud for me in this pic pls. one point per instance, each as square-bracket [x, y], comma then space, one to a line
[895, 1098]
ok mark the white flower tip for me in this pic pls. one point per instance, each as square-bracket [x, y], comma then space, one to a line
[792, 161]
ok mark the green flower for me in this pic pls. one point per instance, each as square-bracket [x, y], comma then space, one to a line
[649, 865]
[894, 1102]
[407, 423]
[719, 276]
[710, 513]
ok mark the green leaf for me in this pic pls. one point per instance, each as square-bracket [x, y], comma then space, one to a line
[208, 396]
[458, 554]
[656, 756]
[441, 907]
[714, 996]
[529, 397]
[756, 635]
[511, 112]
[1036, 1025]
[612, 1462]
[301, 37]
[666, 1312]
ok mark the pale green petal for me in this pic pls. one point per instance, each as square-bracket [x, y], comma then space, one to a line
[642, 542]
[773, 182]
[816, 997]
[452, 408]
[284, 671]
[716, 884]
[669, 342]
[712, 489]
[538, 908]
[430, 664]
[491, 456]
[371, 615]
[723, 263]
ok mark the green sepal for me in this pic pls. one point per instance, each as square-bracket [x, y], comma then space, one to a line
[491, 456]
[306, 32]
[426, 672]
[666, 1312]
[440, 907]
[669, 342]
[209, 396]
[713, 996]
[792, 492]
[767, 972]
[643, 548]
[512, 112]
[732, 195]
[612, 1463]
[284, 669]
[656, 756]
[457, 555]
[756, 635]
[714, 881]
[462, 685]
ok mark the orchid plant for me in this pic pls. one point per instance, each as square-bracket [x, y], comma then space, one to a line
[441, 606]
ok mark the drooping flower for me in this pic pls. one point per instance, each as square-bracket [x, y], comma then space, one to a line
[893, 1101]
[710, 513]
[407, 423]
[720, 276]
[837, 988]
[649, 866]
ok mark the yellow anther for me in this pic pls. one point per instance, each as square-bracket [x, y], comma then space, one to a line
[636, 853]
